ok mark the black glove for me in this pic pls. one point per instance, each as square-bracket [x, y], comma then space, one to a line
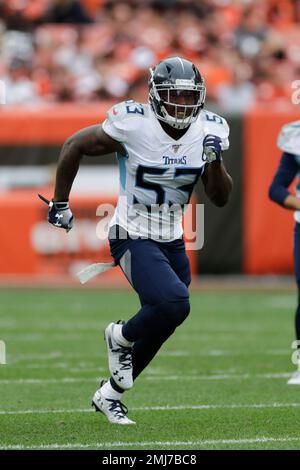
[59, 213]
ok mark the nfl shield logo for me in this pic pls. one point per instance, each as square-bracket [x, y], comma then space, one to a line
[175, 148]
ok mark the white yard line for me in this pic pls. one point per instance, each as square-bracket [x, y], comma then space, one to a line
[21, 358]
[33, 381]
[66, 380]
[63, 366]
[16, 360]
[200, 443]
[158, 408]
[279, 375]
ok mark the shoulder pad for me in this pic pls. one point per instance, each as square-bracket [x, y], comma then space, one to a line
[214, 124]
[212, 117]
[127, 109]
[289, 138]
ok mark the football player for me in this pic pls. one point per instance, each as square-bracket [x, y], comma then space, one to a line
[162, 147]
[289, 167]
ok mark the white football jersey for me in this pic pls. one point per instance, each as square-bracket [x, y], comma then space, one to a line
[289, 141]
[289, 138]
[157, 173]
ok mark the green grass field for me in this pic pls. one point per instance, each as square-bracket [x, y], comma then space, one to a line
[218, 383]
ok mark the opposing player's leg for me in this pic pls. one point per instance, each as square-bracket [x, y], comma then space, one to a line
[295, 379]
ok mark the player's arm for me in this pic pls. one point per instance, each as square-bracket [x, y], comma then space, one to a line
[286, 172]
[90, 141]
[217, 182]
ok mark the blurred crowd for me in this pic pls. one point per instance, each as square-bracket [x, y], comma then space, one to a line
[91, 50]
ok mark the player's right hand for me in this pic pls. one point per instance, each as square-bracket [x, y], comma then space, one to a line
[59, 213]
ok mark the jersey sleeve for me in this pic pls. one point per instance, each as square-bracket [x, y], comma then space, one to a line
[124, 120]
[225, 138]
[216, 125]
[286, 172]
[113, 124]
[289, 138]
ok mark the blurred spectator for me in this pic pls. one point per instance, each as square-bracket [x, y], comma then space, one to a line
[86, 50]
[19, 86]
[275, 73]
[239, 95]
[252, 30]
[66, 11]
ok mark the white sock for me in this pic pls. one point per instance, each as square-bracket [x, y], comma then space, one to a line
[108, 392]
[117, 332]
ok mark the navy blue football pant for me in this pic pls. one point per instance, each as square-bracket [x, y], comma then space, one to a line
[160, 274]
[297, 272]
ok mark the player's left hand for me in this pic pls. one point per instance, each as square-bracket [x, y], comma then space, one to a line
[212, 148]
